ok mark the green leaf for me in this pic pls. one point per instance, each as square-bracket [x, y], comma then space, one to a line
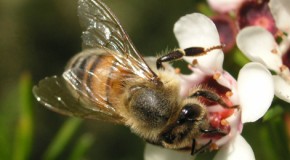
[239, 58]
[273, 112]
[62, 138]
[82, 145]
[24, 128]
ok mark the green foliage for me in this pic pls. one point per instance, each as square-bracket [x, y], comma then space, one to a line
[82, 145]
[275, 111]
[23, 134]
[62, 138]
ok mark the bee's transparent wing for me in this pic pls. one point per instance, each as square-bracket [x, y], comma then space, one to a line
[103, 30]
[53, 92]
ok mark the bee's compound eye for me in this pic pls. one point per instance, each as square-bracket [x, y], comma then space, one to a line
[190, 112]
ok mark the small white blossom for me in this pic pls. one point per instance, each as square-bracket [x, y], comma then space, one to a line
[253, 91]
[259, 45]
[225, 6]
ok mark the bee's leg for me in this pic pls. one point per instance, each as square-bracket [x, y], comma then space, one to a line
[179, 53]
[213, 131]
[201, 149]
[212, 96]
[193, 147]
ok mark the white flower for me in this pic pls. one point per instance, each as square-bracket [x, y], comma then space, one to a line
[224, 6]
[280, 10]
[260, 46]
[253, 91]
[153, 152]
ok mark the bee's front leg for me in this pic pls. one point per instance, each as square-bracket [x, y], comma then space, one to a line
[195, 151]
[212, 96]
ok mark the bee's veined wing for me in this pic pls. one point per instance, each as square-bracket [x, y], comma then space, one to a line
[103, 30]
[53, 92]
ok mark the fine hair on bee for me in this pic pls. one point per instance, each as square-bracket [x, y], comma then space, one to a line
[109, 80]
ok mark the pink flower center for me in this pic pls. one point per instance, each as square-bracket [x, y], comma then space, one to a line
[217, 114]
[225, 122]
[253, 13]
[227, 31]
[263, 21]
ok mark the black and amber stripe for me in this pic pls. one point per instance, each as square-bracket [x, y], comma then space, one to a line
[102, 76]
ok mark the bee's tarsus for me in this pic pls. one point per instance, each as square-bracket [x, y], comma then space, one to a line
[213, 131]
[212, 96]
[193, 147]
[203, 148]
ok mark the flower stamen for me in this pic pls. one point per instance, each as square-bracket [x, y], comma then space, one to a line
[194, 62]
[177, 70]
[274, 51]
[213, 147]
[285, 73]
[224, 122]
[216, 76]
[229, 93]
[279, 34]
[283, 68]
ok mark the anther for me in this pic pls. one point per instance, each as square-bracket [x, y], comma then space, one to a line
[194, 62]
[274, 51]
[279, 34]
[283, 68]
[229, 94]
[214, 146]
[216, 76]
[177, 70]
[224, 122]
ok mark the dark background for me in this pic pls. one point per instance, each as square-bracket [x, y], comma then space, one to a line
[37, 37]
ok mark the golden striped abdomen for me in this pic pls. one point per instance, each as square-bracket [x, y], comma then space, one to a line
[102, 75]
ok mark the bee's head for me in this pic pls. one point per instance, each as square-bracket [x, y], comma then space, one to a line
[187, 124]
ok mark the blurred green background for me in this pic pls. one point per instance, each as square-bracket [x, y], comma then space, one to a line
[37, 37]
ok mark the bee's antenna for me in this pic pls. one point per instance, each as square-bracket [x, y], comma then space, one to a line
[215, 47]
[179, 53]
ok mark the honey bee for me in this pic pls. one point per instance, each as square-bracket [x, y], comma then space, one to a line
[109, 80]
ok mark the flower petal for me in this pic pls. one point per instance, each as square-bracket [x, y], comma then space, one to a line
[197, 30]
[282, 88]
[256, 91]
[286, 4]
[153, 152]
[280, 14]
[237, 148]
[224, 5]
[258, 45]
